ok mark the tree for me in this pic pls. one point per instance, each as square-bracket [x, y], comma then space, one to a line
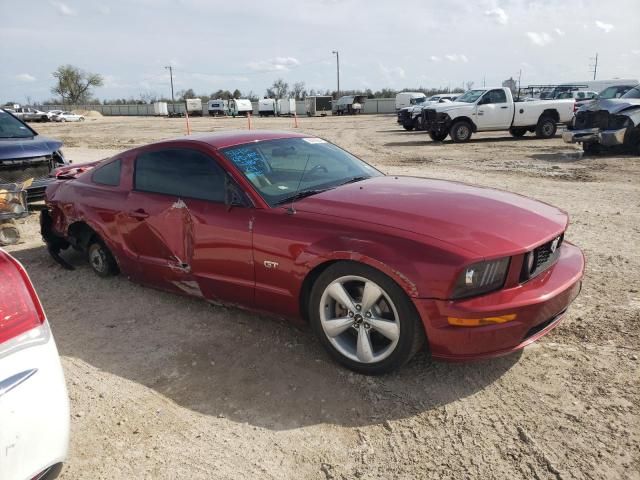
[188, 93]
[298, 91]
[237, 93]
[74, 85]
[469, 85]
[279, 89]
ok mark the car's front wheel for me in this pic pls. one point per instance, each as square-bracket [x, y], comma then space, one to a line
[364, 319]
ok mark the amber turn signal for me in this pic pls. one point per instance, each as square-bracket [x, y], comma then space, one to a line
[479, 322]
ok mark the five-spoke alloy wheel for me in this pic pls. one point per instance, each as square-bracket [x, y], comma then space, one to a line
[364, 319]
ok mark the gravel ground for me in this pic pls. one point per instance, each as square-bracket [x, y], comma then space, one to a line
[163, 386]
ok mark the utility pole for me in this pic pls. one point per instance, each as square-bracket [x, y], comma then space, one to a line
[519, 80]
[594, 66]
[173, 100]
[337, 54]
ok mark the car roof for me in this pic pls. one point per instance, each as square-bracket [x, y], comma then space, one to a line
[232, 138]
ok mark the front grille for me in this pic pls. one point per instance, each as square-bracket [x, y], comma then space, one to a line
[404, 115]
[22, 171]
[589, 119]
[430, 116]
[543, 257]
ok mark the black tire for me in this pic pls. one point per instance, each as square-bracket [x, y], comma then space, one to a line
[591, 148]
[461, 131]
[411, 337]
[546, 127]
[408, 128]
[438, 137]
[101, 259]
[518, 132]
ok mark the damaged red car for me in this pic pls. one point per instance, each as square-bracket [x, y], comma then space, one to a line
[294, 226]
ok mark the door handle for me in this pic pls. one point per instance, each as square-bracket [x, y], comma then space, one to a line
[480, 113]
[139, 214]
[504, 107]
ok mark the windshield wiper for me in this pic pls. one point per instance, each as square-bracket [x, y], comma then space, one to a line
[354, 180]
[301, 194]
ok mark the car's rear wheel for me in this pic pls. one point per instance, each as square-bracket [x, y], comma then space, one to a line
[364, 319]
[101, 259]
[546, 127]
[591, 148]
[408, 128]
[461, 132]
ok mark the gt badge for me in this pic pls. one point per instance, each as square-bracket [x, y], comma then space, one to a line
[270, 265]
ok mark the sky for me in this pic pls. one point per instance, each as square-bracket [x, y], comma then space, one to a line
[248, 44]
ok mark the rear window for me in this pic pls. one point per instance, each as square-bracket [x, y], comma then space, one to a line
[181, 173]
[108, 174]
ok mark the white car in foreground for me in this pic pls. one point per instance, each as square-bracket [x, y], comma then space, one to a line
[67, 117]
[34, 405]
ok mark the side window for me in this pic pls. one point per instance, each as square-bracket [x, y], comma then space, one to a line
[495, 96]
[181, 173]
[108, 174]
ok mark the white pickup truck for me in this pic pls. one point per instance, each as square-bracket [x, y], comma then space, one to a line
[494, 109]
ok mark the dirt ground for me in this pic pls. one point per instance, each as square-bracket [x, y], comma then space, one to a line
[163, 386]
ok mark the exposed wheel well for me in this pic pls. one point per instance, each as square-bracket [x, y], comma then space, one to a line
[80, 234]
[550, 113]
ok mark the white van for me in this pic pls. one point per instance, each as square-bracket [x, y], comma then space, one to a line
[240, 106]
[403, 99]
[286, 106]
[218, 107]
[267, 107]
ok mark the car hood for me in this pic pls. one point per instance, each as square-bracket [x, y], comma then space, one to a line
[15, 148]
[612, 105]
[483, 221]
[445, 107]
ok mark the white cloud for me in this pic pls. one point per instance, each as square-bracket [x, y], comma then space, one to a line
[278, 64]
[498, 15]
[433, 58]
[456, 57]
[392, 73]
[635, 52]
[25, 77]
[64, 9]
[541, 39]
[104, 9]
[607, 27]
[559, 32]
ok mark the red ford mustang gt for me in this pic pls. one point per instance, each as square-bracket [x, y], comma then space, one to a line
[293, 225]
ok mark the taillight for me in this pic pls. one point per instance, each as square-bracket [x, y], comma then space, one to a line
[20, 309]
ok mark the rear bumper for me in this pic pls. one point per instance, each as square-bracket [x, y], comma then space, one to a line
[607, 138]
[539, 305]
[34, 408]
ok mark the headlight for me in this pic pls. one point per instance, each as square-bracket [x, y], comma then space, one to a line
[481, 277]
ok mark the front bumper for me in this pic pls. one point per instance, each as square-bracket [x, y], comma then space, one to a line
[538, 304]
[608, 138]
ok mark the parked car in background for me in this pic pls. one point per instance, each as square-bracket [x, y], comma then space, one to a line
[615, 91]
[612, 122]
[293, 225]
[494, 109]
[405, 99]
[34, 405]
[349, 105]
[411, 117]
[53, 113]
[67, 117]
[594, 85]
[29, 114]
[26, 155]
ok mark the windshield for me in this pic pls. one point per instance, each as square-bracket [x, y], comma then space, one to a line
[284, 169]
[11, 127]
[416, 101]
[470, 96]
[633, 93]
